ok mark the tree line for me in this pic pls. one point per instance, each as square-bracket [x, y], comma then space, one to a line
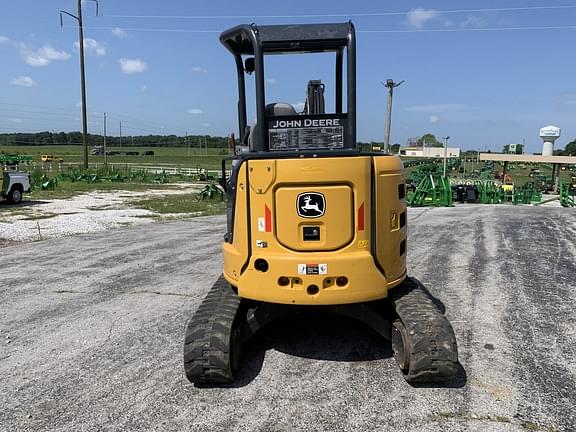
[75, 138]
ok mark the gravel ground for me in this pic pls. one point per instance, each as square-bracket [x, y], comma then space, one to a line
[86, 213]
[92, 326]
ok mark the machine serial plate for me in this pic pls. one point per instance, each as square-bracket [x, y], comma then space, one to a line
[306, 138]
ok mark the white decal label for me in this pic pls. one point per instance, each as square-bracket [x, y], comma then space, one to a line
[261, 244]
[261, 224]
[312, 269]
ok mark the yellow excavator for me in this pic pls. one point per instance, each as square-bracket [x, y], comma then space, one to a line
[312, 223]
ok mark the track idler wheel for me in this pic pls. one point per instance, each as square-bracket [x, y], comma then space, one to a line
[213, 339]
[401, 345]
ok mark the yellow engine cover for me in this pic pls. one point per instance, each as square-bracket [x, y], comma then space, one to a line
[326, 230]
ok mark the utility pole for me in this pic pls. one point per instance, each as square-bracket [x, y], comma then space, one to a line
[446, 138]
[120, 134]
[82, 77]
[105, 152]
[186, 144]
[390, 84]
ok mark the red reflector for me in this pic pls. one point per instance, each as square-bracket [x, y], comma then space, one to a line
[361, 217]
[267, 219]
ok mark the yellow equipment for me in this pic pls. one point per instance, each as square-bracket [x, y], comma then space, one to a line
[312, 222]
[51, 158]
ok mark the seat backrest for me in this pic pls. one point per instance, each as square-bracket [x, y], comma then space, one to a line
[272, 109]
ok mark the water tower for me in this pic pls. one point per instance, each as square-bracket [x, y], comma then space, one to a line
[549, 134]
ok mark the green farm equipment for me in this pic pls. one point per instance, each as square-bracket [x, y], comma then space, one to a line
[432, 191]
[526, 194]
[567, 195]
[488, 192]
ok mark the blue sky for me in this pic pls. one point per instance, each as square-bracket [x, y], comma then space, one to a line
[484, 88]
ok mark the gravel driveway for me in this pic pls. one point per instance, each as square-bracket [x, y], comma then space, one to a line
[91, 334]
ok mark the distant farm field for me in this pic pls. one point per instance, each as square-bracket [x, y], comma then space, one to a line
[202, 158]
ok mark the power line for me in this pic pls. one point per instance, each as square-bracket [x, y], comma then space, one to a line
[41, 106]
[368, 14]
[442, 30]
[118, 116]
[151, 29]
[484, 29]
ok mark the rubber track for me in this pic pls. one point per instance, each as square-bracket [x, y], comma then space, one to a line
[208, 340]
[434, 353]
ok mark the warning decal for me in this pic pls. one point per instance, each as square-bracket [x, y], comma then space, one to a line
[312, 269]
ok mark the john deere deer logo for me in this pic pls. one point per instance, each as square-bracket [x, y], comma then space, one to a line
[311, 204]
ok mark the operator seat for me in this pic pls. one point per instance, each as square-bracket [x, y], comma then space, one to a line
[272, 109]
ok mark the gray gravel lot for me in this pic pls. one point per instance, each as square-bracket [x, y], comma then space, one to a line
[91, 331]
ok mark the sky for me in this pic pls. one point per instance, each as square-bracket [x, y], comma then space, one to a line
[486, 73]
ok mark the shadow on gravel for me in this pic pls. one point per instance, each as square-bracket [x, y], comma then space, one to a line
[325, 336]
[317, 336]
[4, 204]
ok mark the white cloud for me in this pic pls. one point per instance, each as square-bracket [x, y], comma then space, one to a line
[4, 40]
[473, 22]
[23, 81]
[271, 81]
[41, 56]
[194, 111]
[53, 54]
[433, 119]
[418, 17]
[91, 46]
[17, 120]
[199, 69]
[434, 109]
[205, 124]
[119, 33]
[131, 66]
[144, 88]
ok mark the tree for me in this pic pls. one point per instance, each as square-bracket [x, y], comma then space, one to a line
[394, 148]
[430, 141]
[570, 149]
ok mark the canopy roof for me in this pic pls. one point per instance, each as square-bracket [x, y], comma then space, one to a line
[287, 38]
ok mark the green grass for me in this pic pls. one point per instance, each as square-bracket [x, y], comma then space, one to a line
[179, 156]
[182, 203]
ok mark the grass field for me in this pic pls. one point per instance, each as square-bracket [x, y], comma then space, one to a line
[209, 159]
[194, 158]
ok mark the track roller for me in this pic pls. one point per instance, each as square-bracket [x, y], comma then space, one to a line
[423, 340]
[213, 340]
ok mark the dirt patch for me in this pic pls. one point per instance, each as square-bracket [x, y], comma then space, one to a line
[86, 213]
[6, 242]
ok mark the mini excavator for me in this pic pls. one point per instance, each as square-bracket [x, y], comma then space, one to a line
[313, 223]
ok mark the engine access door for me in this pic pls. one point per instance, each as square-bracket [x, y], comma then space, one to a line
[314, 218]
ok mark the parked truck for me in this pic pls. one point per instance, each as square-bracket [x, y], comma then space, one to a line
[13, 184]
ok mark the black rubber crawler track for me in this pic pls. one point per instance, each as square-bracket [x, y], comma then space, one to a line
[433, 353]
[211, 345]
